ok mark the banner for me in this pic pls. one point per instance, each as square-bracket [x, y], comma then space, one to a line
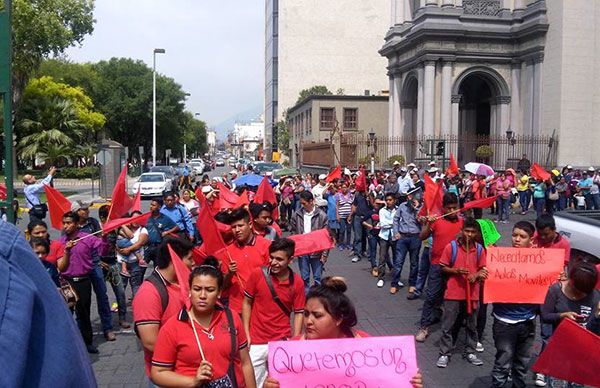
[521, 275]
[346, 362]
[315, 241]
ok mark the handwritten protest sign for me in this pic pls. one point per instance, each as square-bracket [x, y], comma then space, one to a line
[344, 363]
[521, 275]
[488, 232]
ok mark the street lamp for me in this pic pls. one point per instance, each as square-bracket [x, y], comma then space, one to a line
[156, 51]
[372, 141]
[512, 141]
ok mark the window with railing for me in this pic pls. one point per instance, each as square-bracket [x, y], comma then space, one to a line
[327, 118]
[350, 118]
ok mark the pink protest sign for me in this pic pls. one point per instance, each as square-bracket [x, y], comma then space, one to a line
[376, 362]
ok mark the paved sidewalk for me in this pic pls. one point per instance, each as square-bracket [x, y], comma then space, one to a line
[120, 363]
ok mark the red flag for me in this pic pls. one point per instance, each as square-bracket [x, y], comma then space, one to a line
[242, 200]
[227, 197]
[539, 173]
[3, 193]
[360, 184]
[183, 275]
[432, 198]
[111, 225]
[265, 193]
[452, 169]
[58, 205]
[598, 281]
[212, 240]
[483, 203]
[560, 359]
[137, 202]
[335, 174]
[121, 202]
[312, 242]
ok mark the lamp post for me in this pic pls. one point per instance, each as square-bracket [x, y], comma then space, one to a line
[512, 141]
[372, 142]
[156, 51]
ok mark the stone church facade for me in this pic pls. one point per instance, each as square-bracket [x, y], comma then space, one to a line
[497, 68]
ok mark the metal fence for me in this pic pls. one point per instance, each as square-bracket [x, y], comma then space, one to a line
[357, 149]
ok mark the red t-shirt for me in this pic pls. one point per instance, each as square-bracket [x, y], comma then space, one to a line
[558, 242]
[57, 250]
[456, 287]
[477, 189]
[443, 231]
[248, 257]
[176, 345]
[268, 322]
[147, 309]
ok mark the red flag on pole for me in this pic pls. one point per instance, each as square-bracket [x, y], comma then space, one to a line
[452, 169]
[3, 192]
[212, 240]
[432, 198]
[360, 184]
[560, 359]
[228, 198]
[58, 205]
[242, 199]
[183, 275]
[265, 193]
[137, 202]
[539, 173]
[335, 174]
[312, 242]
[483, 203]
[111, 225]
[121, 202]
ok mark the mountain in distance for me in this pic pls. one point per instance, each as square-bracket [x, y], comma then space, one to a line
[226, 126]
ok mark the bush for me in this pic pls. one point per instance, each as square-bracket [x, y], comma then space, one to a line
[79, 172]
[399, 158]
[367, 160]
[484, 152]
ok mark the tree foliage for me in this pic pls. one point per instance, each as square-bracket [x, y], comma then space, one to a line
[317, 90]
[283, 136]
[195, 136]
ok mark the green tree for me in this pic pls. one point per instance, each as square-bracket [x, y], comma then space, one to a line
[42, 28]
[82, 75]
[283, 135]
[317, 90]
[195, 136]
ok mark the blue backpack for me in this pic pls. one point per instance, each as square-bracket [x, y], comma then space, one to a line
[455, 252]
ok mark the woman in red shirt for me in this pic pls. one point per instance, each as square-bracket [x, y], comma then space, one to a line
[205, 345]
[330, 314]
[56, 255]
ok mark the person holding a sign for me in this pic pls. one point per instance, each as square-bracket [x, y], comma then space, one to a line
[514, 326]
[205, 345]
[272, 293]
[547, 237]
[463, 262]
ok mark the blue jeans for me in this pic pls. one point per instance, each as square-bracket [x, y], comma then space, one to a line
[596, 201]
[116, 283]
[384, 258]
[373, 241]
[524, 200]
[136, 279]
[99, 285]
[412, 246]
[357, 227]
[539, 203]
[306, 264]
[434, 297]
[424, 265]
[345, 232]
[503, 208]
[562, 202]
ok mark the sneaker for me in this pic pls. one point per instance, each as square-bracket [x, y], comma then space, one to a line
[412, 296]
[380, 283]
[479, 348]
[374, 272]
[473, 359]
[114, 307]
[421, 335]
[355, 259]
[443, 361]
[540, 380]
[109, 335]
[400, 284]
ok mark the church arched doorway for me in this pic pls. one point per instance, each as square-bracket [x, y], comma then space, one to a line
[409, 106]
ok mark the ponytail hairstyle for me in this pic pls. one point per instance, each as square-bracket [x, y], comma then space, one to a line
[211, 268]
[331, 294]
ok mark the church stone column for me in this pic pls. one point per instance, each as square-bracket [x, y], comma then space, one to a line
[408, 5]
[515, 101]
[503, 105]
[420, 92]
[455, 114]
[429, 98]
[397, 11]
[537, 97]
[446, 96]
[447, 3]
[391, 112]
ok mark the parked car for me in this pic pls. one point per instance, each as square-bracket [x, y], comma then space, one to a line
[233, 161]
[263, 168]
[152, 184]
[220, 162]
[581, 228]
[170, 173]
[198, 166]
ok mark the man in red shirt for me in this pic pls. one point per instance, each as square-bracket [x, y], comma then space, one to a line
[158, 298]
[443, 231]
[462, 261]
[246, 253]
[547, 237]
[266, 318]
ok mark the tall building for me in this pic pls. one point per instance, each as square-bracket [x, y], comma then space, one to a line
[211, 140]
[332, 43]
[526, 69]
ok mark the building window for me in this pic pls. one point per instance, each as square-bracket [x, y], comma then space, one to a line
[327, 118]
[350, 118]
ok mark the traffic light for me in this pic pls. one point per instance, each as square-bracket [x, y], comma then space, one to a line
[440, 148]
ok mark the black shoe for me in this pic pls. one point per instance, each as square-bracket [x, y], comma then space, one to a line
[92, 349]
[412, 296]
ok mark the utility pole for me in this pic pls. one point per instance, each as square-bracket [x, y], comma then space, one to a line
[6, 92]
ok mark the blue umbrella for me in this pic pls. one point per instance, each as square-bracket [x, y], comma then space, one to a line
[250, 180]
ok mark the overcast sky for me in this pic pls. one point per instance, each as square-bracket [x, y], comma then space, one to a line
[214, 48]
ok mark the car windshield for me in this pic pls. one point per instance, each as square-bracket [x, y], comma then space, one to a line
[152, 178]
[264, 167]
[167, 170]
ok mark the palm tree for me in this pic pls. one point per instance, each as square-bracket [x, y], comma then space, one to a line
[55, 124]
[85, 153]
[55, 154]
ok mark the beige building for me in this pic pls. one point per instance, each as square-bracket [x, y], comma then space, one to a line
[331, 43]
[520, 69]
[312, 121]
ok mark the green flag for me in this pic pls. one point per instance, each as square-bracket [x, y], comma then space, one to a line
[488, 231]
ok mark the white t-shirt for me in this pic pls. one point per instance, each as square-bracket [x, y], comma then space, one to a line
[136, 236]
[189, 205]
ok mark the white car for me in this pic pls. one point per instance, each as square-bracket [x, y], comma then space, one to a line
[197, 166]
[152, 184]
